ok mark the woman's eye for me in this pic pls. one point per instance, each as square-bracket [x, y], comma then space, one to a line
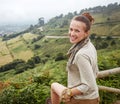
[77, 31]
[70, 29]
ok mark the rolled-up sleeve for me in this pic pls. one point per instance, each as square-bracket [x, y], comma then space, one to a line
[87, 77]
[83, 88]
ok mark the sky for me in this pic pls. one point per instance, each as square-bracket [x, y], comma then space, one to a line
[28, 11]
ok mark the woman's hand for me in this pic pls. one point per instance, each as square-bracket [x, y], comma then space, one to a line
[66, 95]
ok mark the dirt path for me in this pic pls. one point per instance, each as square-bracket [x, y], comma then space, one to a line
[56, 36]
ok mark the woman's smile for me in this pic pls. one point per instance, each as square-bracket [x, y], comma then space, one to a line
[73, 38]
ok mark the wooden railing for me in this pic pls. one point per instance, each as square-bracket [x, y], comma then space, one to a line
[106, 73]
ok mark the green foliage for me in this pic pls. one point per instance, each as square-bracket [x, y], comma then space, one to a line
[58, 21]
[36, 59]
[39, 90]
[107, 97]
[111, 81]
[8, 37]
[59, 57]
[107, 62]
[37, 39]
[41, 21]
[21, 68]
[113, 43]
[31, 94]
[31, 63]
[36, 46]
[43, 78]
[6, 75]
[11, 65]
[34, 92]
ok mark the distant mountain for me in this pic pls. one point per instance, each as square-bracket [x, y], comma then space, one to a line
[10, 29]
[107, 22]
[107, 18]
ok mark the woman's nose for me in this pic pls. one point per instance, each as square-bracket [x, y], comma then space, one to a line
[72, 33]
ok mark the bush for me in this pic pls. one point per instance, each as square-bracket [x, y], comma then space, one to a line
[36, 46]
[21, 68]
[59, 57]
[11, 65]
[31, 94]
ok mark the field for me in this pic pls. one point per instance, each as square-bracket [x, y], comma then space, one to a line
[16, 48]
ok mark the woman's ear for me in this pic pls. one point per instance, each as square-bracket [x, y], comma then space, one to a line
[87, 33]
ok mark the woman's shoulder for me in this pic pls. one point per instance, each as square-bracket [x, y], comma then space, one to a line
[87, 51]
[87, 48]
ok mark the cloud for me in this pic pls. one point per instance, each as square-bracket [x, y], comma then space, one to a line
[21, 11]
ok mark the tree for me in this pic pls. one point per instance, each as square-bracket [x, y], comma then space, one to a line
[104, 45]
[75, 12]
[31, 63]
[21, 68]
[36, 59]
[36, 46]
[108, 37]
[59, 57]
[113, 42]
[41, 21]
[92, 36]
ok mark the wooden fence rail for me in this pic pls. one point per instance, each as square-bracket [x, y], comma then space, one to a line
[109, 89]
[106, 73]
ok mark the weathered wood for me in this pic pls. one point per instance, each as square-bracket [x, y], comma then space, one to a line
[109, 89]
[106, 73]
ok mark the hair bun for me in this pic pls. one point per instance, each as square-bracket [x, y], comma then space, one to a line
[87, 15]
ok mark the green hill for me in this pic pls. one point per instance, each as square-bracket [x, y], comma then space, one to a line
[107, 21]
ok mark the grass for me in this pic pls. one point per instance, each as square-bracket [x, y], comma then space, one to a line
[51, 66]
[115, 30]
[99, 18]
[7, 75]
[5, 59]
[17, 47]
[3, 49]
[13, 40]
[25, 55]
[29, 36]
[106, 29]
[53, 46]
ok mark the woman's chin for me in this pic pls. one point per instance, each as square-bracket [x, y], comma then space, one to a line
[73, 41]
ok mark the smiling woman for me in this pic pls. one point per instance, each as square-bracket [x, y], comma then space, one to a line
[82, 66]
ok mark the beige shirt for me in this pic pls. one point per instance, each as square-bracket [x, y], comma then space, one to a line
[83, 71]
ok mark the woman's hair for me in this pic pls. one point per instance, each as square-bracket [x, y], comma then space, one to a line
[85, 18]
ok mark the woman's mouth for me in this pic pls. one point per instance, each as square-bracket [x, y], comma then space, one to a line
[73, 38]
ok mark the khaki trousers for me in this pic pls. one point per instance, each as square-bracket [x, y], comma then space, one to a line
[79, 101]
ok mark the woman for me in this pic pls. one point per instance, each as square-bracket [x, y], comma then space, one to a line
[81, 67]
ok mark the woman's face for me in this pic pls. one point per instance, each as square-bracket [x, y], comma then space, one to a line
[77, 31]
